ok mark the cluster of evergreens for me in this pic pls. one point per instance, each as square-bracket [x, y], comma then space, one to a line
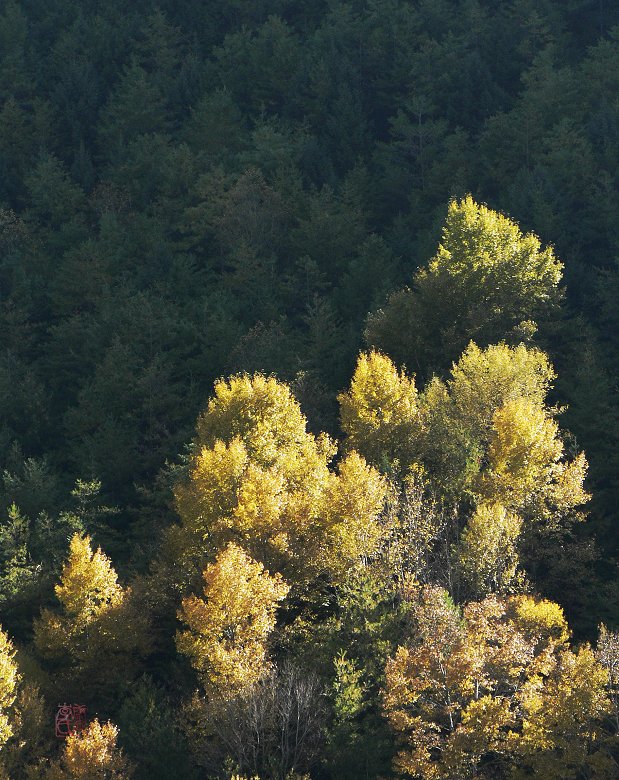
[363, 559]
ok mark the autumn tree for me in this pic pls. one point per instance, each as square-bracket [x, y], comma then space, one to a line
[9, 678]
[262, 719]
[380, 412]
[87, 590]
[259, 479]
[260, 494]
[486, 282]
[96, 622]
[494, 688]
[91, 755]
[483, 442]
[226, 639]
[421, 532]
[488, 551]
[448, 426]
[491, 434]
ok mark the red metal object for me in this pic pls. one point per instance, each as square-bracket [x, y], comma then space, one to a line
[70, 719]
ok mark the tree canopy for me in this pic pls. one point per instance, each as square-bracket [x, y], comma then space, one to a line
[487, 282]
[308, 388]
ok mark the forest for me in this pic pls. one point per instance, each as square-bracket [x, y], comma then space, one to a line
[309, 389]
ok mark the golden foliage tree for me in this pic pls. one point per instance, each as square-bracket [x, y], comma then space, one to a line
[95, 622]
[484, 440]
[487, 429]
[9, 678]
[487, 550]
[379, 413]
[91, 755]
[488, 281]
[259, 479]
[88, 590]
[227, 634]
[492, 437]
[496, 682]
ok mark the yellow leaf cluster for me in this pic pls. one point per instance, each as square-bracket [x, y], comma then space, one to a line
[9, 678]
[95, 618]
[482, 247]
[88, 585]
[487, 551]
[262, 413]
[483, 438]
[498, 678]
[487, 281]
[485, 431]
[563, 713]
[88, 590]
[259, 479]
[494, 406]
[353, 501]
[227, 634]
[483, 380]
[523, 446]
[380, 411]
[91, 755]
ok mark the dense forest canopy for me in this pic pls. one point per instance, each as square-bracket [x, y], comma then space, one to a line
[309, 349]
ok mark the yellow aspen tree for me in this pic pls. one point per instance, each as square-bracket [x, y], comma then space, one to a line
[524, 445]
[379, 413]
[483, 380]
[487, 551]
[263, 414]
[91, 754]
[487, 281]
[486, 431]
[563, 719]
[489, 434]
[9, 679]
[88, 589]
[227, 633]
[259, 479]
[96, 633]
[483, 442]
[353, 501]
[495, 679]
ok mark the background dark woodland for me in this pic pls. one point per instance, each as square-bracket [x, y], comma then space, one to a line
[190, 190]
